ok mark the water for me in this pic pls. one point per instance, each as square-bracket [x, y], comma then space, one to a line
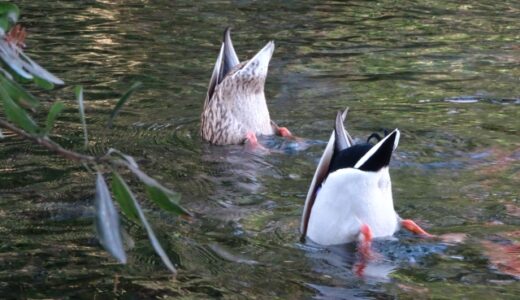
[445, 73]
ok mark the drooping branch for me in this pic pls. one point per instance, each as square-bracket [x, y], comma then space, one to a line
[49, 144]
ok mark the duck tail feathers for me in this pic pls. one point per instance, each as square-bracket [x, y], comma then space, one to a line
[226, 60]
[258, 65]
[229, 58]
[342, 138]
[380, 154]
[215, 75]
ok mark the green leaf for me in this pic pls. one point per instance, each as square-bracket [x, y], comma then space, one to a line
[16, 114]
[54, 111]
[123, 196]
[79, 96]
[10, 13]
[168, 201]
[132, 206]
[122, 102]
[44, 84]
[18, 93]
[4, 23]
[129, 159]
[42, 77]
[107, 221]
[162, 196]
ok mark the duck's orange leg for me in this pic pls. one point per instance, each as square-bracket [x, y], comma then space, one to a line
[365, 241]
[251, 139]
[252, 142]
[413, 227]
[283, 131]
[364, 247]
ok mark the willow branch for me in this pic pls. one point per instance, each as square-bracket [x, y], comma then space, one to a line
[49, 144]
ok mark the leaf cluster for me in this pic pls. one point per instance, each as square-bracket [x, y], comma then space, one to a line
[19, 106]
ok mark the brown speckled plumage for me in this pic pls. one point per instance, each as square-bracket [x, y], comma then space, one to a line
[235, 103]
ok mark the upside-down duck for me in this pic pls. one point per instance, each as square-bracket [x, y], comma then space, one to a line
[350, 197]
[235, 110]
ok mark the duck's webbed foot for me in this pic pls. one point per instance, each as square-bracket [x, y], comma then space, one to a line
[252, 142]
[364, 248]
[283, 131]
[411, 226]
[365, 242]
[251, 139]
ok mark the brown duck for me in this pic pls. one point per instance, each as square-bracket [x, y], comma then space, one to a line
[235, 109]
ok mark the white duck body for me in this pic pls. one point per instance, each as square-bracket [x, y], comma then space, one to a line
[341, 200]
[235, 104]
[346, 200]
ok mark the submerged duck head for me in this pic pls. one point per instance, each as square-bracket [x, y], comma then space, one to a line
[235, 104]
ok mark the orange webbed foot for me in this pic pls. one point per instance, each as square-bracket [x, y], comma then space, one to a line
[283, 131]
[251, 139]
[365, 242]
[411, 226]
[252, 142]
[364, 248]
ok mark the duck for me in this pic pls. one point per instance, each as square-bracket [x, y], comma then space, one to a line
[235, 109]
[350, 196]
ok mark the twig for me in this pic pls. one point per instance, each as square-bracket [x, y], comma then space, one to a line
[49, 144]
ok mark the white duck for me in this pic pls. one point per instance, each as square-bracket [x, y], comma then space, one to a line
[350, 197]
[235, 109]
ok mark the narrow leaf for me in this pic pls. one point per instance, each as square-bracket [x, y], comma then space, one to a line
[162, 196]
[165, 200]
[18, 93]
[38, 71]
[10, 13]
[107, 221]
[24, 66]
[123, 196]
[10, 55]
[122, 101]
[16, 114]
[129, 159]
[44, 84]
[54, 111]
[79, 96]
[130, 202]
[6, 73]
[4, 24]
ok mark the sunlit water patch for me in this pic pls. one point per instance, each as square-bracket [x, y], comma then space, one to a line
[444, 73]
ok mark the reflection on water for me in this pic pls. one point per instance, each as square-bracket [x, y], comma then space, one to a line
[445, 73]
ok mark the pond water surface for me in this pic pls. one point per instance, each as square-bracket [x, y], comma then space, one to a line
[446, 73]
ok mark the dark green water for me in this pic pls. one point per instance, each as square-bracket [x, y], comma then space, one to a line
[447, 74]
